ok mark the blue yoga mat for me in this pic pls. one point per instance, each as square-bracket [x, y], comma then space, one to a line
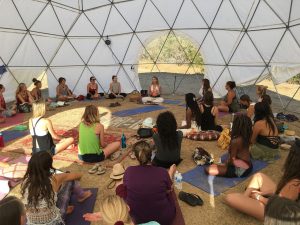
[172, 102]
[10, 135]
[145, 109]
[76, 217]
[217, 185]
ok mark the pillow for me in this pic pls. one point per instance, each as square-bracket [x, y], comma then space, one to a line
[208, 135]
[14, 171]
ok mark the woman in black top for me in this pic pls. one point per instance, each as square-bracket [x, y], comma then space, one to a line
[167, 141]
[192, 111]
[209, 113]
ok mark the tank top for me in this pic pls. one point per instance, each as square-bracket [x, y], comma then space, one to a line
[2, 102]
[25, 96]
[40, 139]
[42, 214]
[208, 119]
[154, 91]
[89, 142]
[115, 87]
[92, 90]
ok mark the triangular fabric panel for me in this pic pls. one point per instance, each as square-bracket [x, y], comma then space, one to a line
[189, 17]
[120, 44]
[104, 74]
[66, 56]
[47, 23]
[134, 51]
[34, 7]
[246, 53]
[66, 17]
[103, 56]
[208, 11]
[83, 27]
[99, 17]
[135, 6]
[169, 13]
[9, 39]
[116, 24]
[245, 75]
[7, 12]
[26, 74]
[70, 3]
[295, 17]
[151, 19]
[244, 9]
[262, 41]
[227, 18]
[282, 8]
[48, 45]
[94, 3]
[84, 46]
[27, 54]
[127, 80]
[10, 85]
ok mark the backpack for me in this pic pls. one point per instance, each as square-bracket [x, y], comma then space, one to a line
[201, 157]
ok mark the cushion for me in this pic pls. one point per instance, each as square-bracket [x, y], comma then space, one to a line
[208, 135]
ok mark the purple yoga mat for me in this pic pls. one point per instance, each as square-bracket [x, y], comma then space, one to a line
[76, 217]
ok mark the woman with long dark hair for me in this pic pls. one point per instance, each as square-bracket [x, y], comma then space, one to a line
[41, 187]
[230, 103]
[92, 89]
[63, 93]
[192, 111]
[23, 98]
[209, 113]
[265, 137]
[167, 141]
[239, 162]
[12, 211]
[204, 88]
[261, 187]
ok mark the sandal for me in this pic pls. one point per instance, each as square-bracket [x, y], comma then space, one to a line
[132, 155]
[101, 170]
[189, 198]
[94, 169]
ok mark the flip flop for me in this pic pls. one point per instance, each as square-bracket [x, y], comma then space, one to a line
[94, 169]
[101, 170]
[189, 198]
[115, 156]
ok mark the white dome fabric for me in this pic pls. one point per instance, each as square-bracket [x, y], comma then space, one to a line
[240, 40]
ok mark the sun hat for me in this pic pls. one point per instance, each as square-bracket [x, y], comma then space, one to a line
[118, 172]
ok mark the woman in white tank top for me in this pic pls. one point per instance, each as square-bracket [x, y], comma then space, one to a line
[154, 92]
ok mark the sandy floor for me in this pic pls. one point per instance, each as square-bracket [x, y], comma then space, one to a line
[214, 211]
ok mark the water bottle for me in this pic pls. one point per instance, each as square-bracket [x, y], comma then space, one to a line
[123, 141]
[178, 180]
[1, 140]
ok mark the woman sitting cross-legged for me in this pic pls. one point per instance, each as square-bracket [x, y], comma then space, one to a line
[115, 89]
[230, 103]
[92, 89]
[63, 93]
[113, 211]
[265, 137]
[209, 113]
[154, 92]
[167, 141]
[238, 162]
[43, 191]
[4, 110]
[92, 147]
[254, 200]
[148, 189]
[23, 98]
[42, 132]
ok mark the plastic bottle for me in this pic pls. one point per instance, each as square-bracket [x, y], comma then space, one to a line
[178, 180]
[1, 140]
[123, 141]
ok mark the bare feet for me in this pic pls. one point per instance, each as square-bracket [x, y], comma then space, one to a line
[85, 196]
[70, 209]
[172, 171]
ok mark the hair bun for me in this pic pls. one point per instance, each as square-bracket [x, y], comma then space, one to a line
[119, 223]
[34, 80]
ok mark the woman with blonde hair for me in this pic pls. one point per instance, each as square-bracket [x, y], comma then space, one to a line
[113, 211]
[92, 147]
[154, 92]
[23, 98]
[42, 132]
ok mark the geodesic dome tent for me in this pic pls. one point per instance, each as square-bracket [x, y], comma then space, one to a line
[241, 40]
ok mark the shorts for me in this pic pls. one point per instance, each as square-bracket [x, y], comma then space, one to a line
[52, 150]
[92, 158]
[233, 171]
[7, 113]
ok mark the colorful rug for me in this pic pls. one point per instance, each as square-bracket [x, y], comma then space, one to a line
[135, 111]
[76, 217]
[122, 122]
[12, 121]
[216, 185]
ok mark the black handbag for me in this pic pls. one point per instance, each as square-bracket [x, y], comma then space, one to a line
[145, 132]
[144, 93]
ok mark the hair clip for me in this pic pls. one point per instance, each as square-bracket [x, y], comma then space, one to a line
[119, 223]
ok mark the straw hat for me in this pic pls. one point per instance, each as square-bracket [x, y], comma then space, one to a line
[118, 172]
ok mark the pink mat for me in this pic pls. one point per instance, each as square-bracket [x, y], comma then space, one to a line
[15, 120]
